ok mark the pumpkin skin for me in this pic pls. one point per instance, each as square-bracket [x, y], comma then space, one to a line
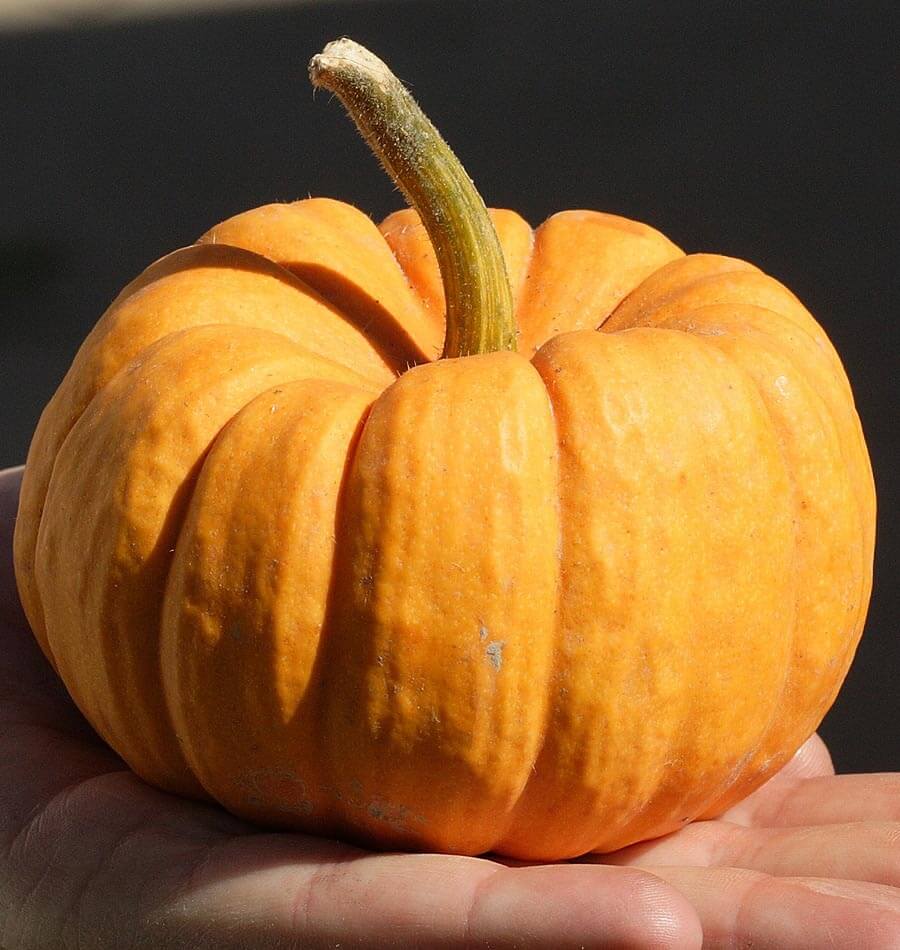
[539, 603]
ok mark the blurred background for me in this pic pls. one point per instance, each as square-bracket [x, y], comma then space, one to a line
[763, 130]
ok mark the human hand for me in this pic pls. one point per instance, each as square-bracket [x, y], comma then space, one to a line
[91, 856]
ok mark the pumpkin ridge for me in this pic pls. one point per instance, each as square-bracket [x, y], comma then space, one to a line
[232, 257]
[591, 293]
[507, 825]
[759, 283]
[404, 697]
[82, 693]
[734, 778]
[840, 413]
[296, 282]
[338, 814]
[282, 233]
[648, 302]
[238, 795]
[396, 346]
[387, 229]
[149, 443]
[518, 289]
[658, 300]
[685, 805]
[25, 536]
[79, 386]
[834, 408]
[825, 419]
[840, 404]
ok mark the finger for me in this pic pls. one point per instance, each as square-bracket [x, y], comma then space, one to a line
[115, 857]
[45, 743]
[858, 851]
[338, 895]
[45, 746]
[29, 689]
[92, 861]
[811, 760]
[739, 908]
[824, 801]
[10, 608]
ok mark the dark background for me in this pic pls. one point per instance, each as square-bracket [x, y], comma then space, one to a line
[761, 130]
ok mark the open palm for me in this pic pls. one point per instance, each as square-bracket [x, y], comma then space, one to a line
[91, 856]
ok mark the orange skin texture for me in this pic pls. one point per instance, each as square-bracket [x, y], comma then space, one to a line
[538, 603]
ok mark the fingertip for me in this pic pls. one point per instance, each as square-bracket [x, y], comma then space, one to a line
[812, 759]
[675, 922]
[575, 905]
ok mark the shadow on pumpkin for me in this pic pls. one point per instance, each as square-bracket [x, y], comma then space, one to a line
[330, 288]
[382, 329]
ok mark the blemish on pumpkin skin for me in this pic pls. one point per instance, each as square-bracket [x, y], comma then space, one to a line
[494, 650]
[234, 632]
[397, 816]
[291, 791]
[494, 653]
[367, 583]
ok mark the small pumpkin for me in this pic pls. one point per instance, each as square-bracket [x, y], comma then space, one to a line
[558, 591]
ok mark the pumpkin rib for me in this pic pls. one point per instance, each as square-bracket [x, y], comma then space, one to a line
[713, 805]
[118, 338]
[838, 405]
[340, 253]
[429, 543]
[33, 495]
[734, 778]
[737, 285]
[685, 804]
[565, 292]
[215, 256]
[248, 602]
[766, 341]
[509, 823]
[670, 282]
[102, 587]
[240, 258]
[519, 274]
[605, 470]
[826, 419]
[647, 306]
[663, 295]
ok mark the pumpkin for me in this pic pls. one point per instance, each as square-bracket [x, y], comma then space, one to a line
[547, 591]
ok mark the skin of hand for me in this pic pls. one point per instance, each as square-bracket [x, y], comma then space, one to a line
[90, 856]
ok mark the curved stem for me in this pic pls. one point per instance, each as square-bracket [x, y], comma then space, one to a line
[480, 315]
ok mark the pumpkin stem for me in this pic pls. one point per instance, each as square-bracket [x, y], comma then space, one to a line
[480, 315]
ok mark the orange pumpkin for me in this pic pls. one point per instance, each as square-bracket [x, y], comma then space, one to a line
[539, 602]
